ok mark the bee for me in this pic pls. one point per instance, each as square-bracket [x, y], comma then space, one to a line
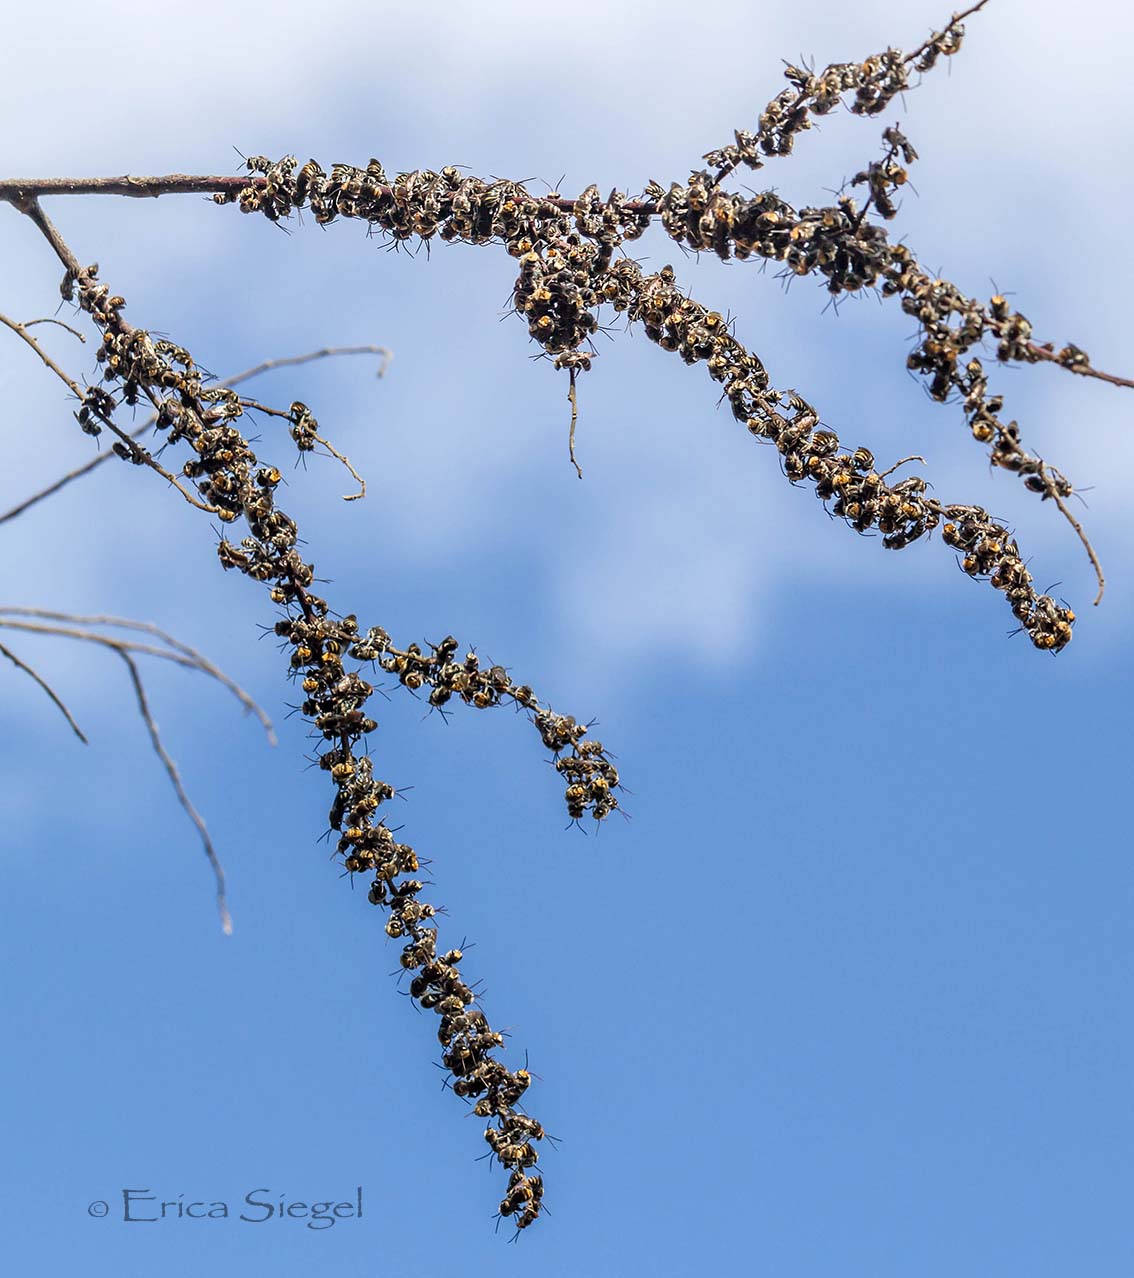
[522, 1190]
[575, 795]
[461, 1061]
[528, 1125]
[862, 459]
[450, 1005]
[521, 1082]
[308, 174]
[529, 1217]
[230, 557]
[795, 466]
[513, 1155]
[1061, 632]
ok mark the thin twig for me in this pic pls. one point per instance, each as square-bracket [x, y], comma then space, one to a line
[136, 450]
[957, 17]
[27, 204]
[21, 331]
[64, 480]
[290, 361]
[574, 418]
[177, 652]
[266, 409]
[1053, 493]
[1047, 352]
[256, 406]
[903, 462]
[73, 331]
[47, 688]
[183, 798]
[346, 462]
[196, 659]
[264, 367]
[90, 636]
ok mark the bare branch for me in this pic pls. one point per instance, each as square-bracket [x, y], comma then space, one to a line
[1064, 358]
[1053, 493]
[47, 688]
[177, 652]
[196, 660]
[341, 457]
[21, 330]
[182, 797]
[291, 361]
[936, 36]
[574, 418]
[264, 367]
[64, 480]
[30, 206]
[73, 331]
[135, 451]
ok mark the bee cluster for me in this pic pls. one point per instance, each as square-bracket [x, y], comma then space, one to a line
[231, 478]
[990, 551]
[567, 253]
[875, 83]
[592, 777]
[335, 704]
[882, 177]
[568, 271]
[858, 493]
[558, 266]
[852, 254]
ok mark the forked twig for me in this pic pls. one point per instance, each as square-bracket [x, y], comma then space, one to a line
[264, 366]
[257, 407]
[90, 636]
[137, 452]
[177, 652]
[197, 660]
[342, 457]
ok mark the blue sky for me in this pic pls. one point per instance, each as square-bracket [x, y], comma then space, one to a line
[849, 993]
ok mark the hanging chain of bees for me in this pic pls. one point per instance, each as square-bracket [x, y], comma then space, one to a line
[235, 486]
[568, 272]
[570, 266]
